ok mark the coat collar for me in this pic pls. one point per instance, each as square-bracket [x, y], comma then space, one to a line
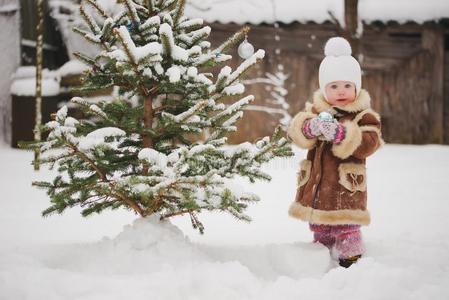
[362, 102]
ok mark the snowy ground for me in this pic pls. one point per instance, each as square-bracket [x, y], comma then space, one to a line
[69, 257]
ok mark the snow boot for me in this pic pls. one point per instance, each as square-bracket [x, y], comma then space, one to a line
[347, 262]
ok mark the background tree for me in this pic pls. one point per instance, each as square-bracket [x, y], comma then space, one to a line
[148, 156]
[39, 64]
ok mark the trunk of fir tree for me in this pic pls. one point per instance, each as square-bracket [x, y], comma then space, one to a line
[147, 123]
[39, 56]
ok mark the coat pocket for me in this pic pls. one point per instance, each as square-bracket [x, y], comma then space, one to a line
[352, 176]
[305, 167]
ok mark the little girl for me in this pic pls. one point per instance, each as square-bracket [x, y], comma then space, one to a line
[339, 130]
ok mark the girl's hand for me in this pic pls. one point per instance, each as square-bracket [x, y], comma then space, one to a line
[311, 128]
[332, 131]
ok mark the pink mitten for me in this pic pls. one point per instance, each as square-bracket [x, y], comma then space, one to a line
[332, 131]
[311, 128]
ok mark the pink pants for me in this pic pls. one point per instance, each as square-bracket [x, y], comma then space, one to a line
[345, 239]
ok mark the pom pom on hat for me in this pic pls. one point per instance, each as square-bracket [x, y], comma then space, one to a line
[339, 65]
[337, 46]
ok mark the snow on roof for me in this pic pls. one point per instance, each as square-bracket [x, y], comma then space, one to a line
[9, 8]
[287, 11]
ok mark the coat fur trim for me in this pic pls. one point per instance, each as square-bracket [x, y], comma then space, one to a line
[308, 107]
[295, 133]
[360, 115]
[362, 102]
[331, 217]
[352, 140]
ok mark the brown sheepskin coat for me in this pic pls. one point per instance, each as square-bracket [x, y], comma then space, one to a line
[331, 186]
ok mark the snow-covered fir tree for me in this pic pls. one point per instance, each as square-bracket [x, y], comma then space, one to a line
[143, 157]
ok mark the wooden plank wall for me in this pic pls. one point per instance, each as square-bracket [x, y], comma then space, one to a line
[402, 98]
[403, 71]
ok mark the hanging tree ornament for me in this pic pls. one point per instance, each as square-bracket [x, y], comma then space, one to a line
[132, 26]
[245, 49]
[129, 26]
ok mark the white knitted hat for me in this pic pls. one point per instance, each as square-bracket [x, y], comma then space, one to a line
[339, 65]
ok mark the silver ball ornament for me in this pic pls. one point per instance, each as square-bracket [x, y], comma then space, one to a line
[245, 49]
[325, 116]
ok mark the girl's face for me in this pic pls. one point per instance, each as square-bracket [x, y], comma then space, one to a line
[340, 93]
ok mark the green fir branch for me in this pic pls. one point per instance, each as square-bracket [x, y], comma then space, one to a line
[231, 42]
[89, 20]
[151, 9]
[132, 12]
[98, 8]
[179, 11]
[168, 4]
[86, 59]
